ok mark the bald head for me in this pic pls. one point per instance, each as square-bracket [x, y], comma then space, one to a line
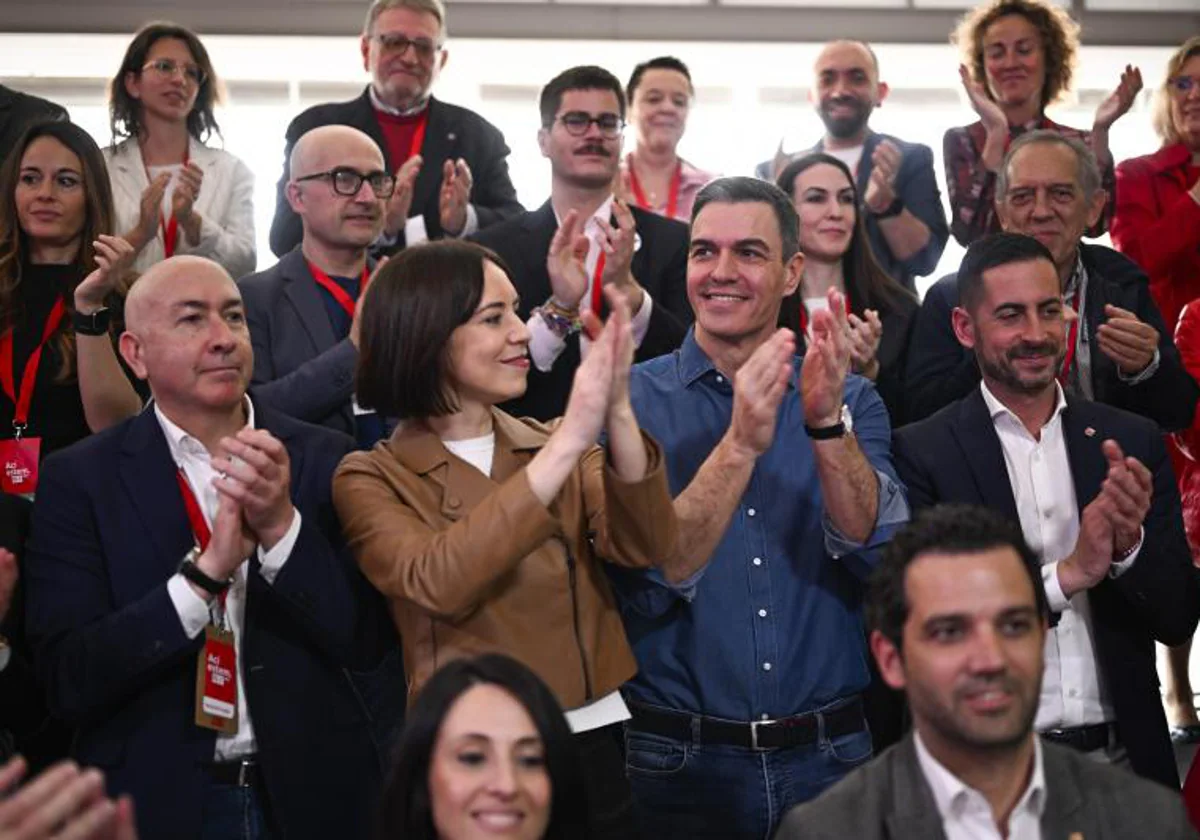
[167, 281]
[846, 51]
[327, 146]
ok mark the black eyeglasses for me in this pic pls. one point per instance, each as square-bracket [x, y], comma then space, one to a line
[394, 42]
[168, 67]
[347, 181]
[577, 123]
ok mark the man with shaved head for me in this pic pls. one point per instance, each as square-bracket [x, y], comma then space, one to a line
[897, 189]
[302, 312]
[191, 604]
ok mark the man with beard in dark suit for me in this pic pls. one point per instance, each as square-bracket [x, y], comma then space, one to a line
[583, 238]
[451, 164]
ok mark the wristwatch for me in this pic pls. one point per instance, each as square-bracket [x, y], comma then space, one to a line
[92, 323]
[893, 209]
[843, 427]
[192, 573]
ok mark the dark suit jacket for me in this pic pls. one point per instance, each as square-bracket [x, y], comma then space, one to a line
[916, 185]
[660, 266]
[17, 111]
[300, 368]
[955, 456]
[109, 530]
[940, 370]
[452, 133]
[889, 799]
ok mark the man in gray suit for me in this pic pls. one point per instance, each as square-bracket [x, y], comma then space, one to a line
[303, 312]
[959, 622]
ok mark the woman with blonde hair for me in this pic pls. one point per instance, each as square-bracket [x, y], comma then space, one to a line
[1018, 57]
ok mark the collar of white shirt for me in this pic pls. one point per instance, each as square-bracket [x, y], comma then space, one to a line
[952, 795]
[379, 105]
[184, 445]
[604, 211]
[996, 408]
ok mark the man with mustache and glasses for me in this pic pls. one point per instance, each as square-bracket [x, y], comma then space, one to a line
[1119, 352]
[958, 623]
[1092, 489]
[583, 238]
[303, 311]
[451, 165]
[905, 218]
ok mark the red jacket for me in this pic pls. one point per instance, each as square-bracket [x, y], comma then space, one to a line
[1157, 225]
[1185, 446]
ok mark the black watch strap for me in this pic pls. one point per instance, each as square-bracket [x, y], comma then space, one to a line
[92, 323]
[192, 573]
[837, 430]
[893, 209]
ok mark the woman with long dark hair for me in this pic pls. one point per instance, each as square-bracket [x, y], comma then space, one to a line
[62, 275]
[485, 746]
[837, 255]
[173, 193]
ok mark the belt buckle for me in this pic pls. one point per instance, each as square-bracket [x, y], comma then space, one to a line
[754, 724]
[244, 770]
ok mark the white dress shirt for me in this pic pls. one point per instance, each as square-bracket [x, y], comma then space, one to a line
[965, 812]
[189, 455]
[544, 345]
[1073, 689]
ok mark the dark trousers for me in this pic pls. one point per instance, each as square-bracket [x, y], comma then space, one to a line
[610, 800]
[235, 813]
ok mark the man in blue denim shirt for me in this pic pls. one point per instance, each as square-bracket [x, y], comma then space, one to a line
[752, 663]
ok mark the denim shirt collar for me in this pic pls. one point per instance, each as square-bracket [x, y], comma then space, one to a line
[694, 363]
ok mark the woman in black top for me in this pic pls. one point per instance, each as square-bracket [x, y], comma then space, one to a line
[837, 255]
[60, 276]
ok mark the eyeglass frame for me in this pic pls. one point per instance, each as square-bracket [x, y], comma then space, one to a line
[332, 176]
[418, 45]
[1183, 84]
[160, 65]
[612, 134]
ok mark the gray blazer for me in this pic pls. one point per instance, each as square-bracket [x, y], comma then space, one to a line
[300, 368]
[889, 799]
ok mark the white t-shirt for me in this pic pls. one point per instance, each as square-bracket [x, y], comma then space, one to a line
[850, 157]
[478, 452]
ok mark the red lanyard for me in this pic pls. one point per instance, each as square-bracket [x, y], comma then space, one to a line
[1072, 334]
[339, 294]
[200, 529]
[672, 191]
[24, 400]
[170, 229]
[419, 134]
[597, 290]
[804, 315]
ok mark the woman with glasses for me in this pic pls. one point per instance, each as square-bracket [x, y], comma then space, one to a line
[1018, 57]
[174, 194]
[653, 175]
[1157, 224]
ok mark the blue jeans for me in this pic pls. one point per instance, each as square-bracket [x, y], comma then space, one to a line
[692, 791]
[233, 813]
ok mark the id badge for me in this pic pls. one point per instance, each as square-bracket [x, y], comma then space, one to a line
[19, 462]
[216, 682]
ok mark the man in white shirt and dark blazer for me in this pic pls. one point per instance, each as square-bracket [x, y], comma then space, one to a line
[1093, 492]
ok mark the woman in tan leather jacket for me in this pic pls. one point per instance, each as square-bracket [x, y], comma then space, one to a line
[485, 532]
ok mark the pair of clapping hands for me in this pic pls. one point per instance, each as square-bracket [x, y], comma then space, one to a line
[64, 803]
[453, 197]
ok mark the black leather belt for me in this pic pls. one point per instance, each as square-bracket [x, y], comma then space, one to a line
[242, 772]
[1095, 736]
[756, 735]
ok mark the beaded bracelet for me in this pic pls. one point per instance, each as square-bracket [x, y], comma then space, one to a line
[562, 322]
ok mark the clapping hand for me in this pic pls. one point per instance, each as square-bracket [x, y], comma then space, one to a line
[183, 199]
[565, 262]
[864, 335]
[989, 112]
[256, 474]
[1118, 103]
[1130, 488]
[114, 255]
[885, 166]
[63, 803]
[758, 389]
[618, 241]
[454, 196]
[399, 205]
[150, 210]
[826, 363]
[1127, 340]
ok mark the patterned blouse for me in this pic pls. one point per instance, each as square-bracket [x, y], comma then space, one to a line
[972, 186]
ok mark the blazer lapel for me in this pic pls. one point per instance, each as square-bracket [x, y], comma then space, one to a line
[301, 290]
[913, 813]
[1064, 814]
[148, 479]
[363, 117]
[538, 228]
[1088, 464]
[980, 447]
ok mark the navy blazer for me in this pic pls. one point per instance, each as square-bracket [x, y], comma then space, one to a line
[300, 367]
[916, 185]
[659, 264]
[109, 530]
[955, 456]
[940, 370]
[452, 132]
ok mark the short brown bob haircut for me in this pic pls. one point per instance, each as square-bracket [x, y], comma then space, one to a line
[1060, 41]
[411, 307]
